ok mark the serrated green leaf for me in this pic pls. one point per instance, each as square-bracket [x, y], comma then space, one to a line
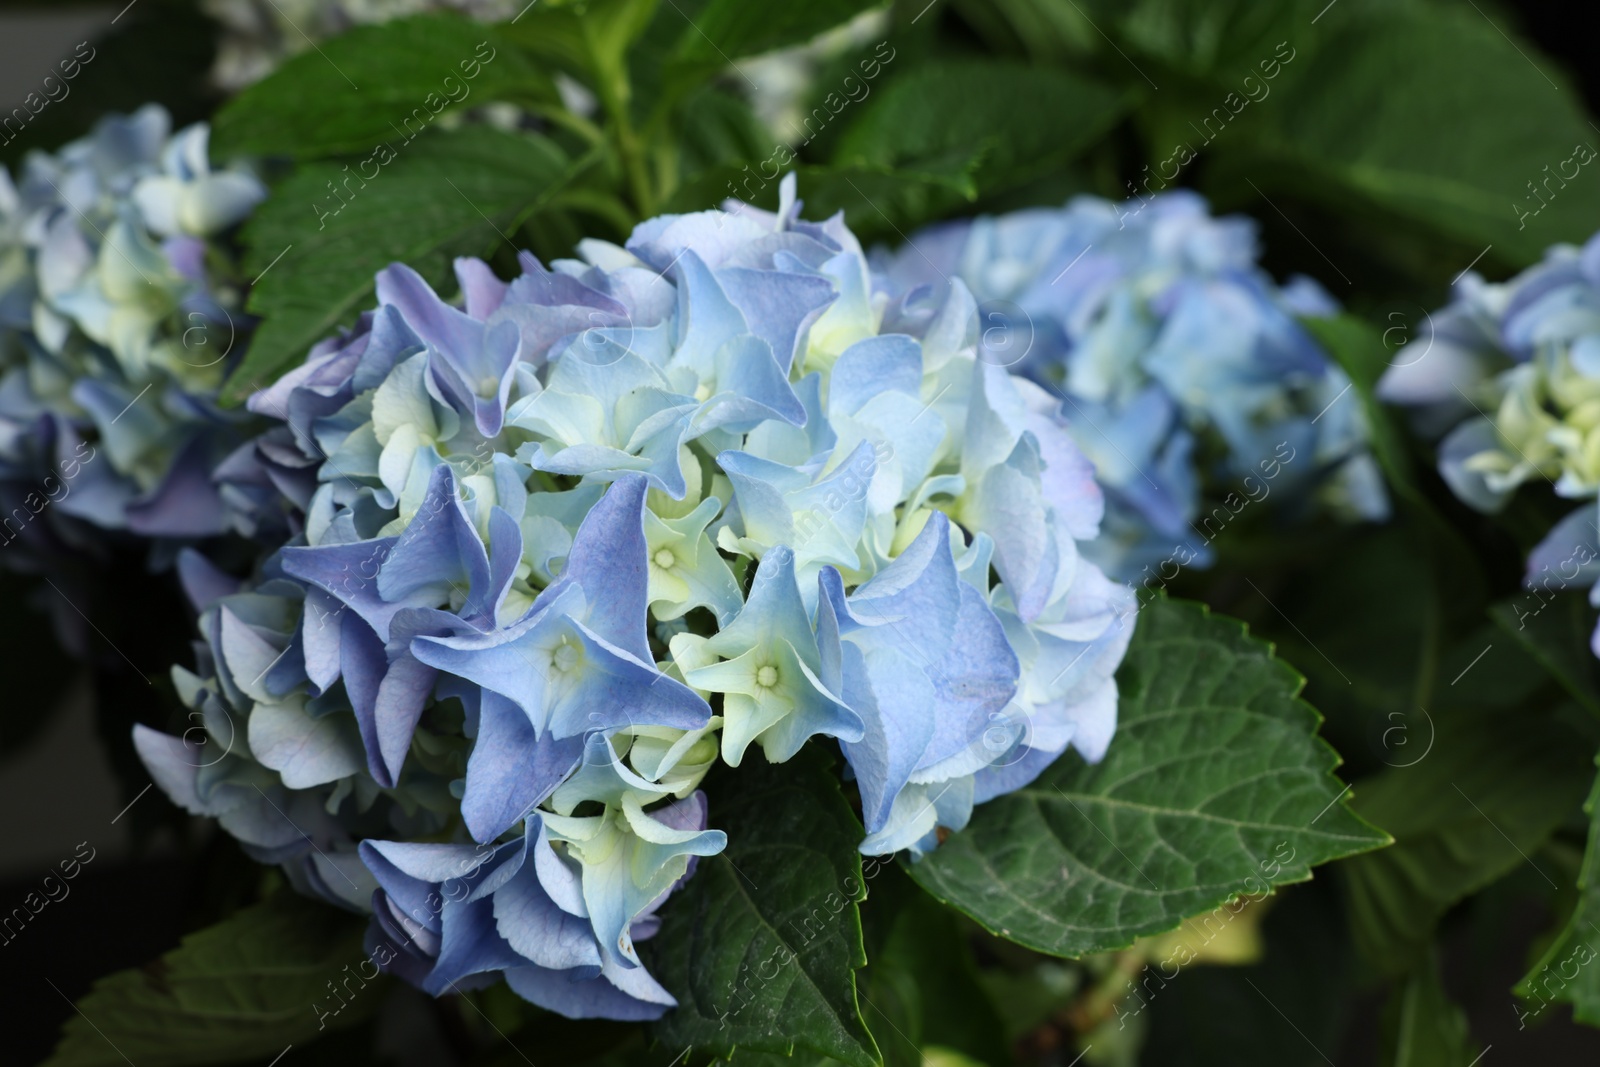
[1008, 123]
[761, 947]
[725, 30]
[1422, 1026]
[1464, 811]
[1368, 124]
[442, 193]
[374, 84]
[1215, 785]
[244, 988]
[1567, 971]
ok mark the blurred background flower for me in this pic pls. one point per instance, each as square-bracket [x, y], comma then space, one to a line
[1185, 374]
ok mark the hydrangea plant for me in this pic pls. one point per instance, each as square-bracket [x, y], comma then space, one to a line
[1510, 375]
[573, 541]
[119, 305]
[1186, 376]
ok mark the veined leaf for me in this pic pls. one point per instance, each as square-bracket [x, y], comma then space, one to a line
[1011, 121]
[241, 989]
[1568, 971]
[725, 30]
[373, 85]
[1216, 786]
[1490, 789]
[1368, 124]
[334, 227]
[761, 947]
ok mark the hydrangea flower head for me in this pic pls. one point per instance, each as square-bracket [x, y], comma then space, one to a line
[574, 540]
[118, 305]
[1517, 366]
[1181, 363]
[1510, 375]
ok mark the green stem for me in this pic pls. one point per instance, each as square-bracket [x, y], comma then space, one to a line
[603, 204]
[633, 165]
[611, 83]
[1099, 1003]
[579, 125]
[1432, 637]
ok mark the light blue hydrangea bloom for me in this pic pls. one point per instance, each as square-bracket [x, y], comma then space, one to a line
[1509, 374]
[1184, 371]
[118, 310]
[1516, 365]
[572, 541]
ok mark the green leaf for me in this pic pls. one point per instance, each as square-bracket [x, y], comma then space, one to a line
[1370, 124]
[921, 987]
[244, 988]
[1361, 352]
[718, 128]
[882, 202]
[761, 947]
[879, 202]
[927, 950]
[1566, 971]
[1049, 31]
[1365, 679]
[442, 193]
[1215, 785]
[1422, 1026]
[1222, 41]
[373, 85]
[589, 39]
[1204, 37]
[1464, 811]
[1365, 354]
[1006, 122]
[726, 30]
[1556, 634]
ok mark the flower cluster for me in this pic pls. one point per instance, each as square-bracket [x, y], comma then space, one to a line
[1183, 367]
[1512, 371]
[1522, 359]
[117, 311]
[568, 545]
